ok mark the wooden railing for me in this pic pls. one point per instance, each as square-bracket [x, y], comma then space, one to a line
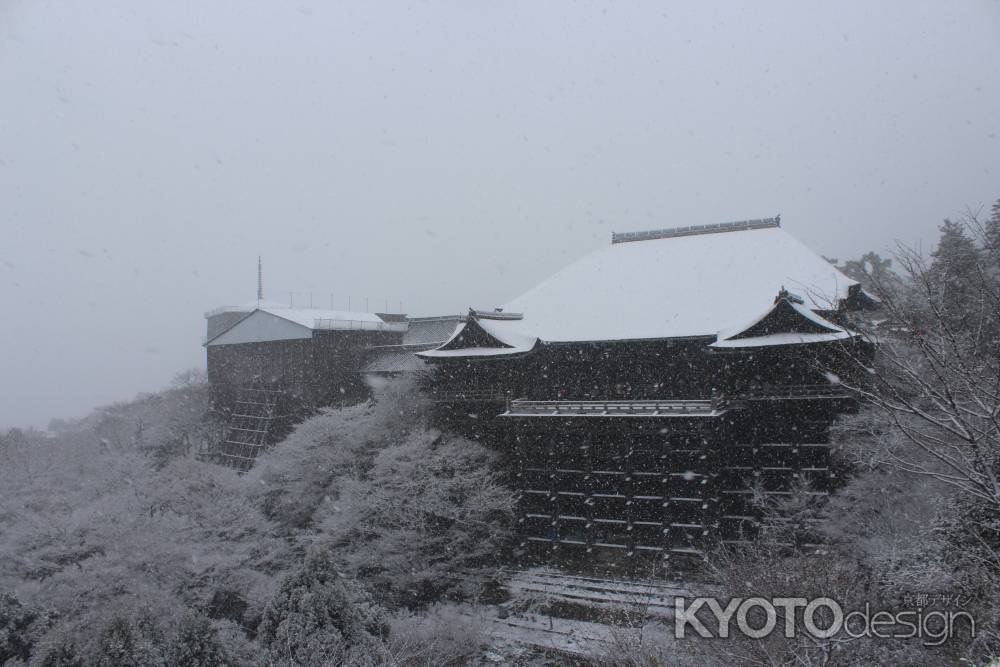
[796, 391]
[677, 408]
[496, 394]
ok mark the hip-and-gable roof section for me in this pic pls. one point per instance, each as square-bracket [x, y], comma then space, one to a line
[689, 282]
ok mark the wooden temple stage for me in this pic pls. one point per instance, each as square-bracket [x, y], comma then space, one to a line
[660, 478]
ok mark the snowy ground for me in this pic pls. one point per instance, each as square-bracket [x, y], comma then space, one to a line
[562, 615]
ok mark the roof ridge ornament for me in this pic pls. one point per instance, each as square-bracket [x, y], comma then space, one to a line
[789, 296]
[694, 230]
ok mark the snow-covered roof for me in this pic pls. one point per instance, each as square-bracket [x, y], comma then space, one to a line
[393, 360]
[766, 330]
[427, 330]
[280, 323]
[797, 308]
[317, 318]
[247, 307]
[684, 285]
[507, 340]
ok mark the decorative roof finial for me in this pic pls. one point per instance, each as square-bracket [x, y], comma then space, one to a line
[784, 294]
[260, 282]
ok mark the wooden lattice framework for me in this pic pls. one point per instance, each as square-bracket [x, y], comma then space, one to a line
[250, 426]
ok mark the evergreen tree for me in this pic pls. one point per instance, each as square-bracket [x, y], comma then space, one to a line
[318, 617]
[874, 272]
[954, 276]
[991, 276]
[17, 625]
[992, 235]
[197, 645]
[125, 642]
[61, 654]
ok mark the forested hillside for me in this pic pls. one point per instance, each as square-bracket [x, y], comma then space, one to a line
[121, 546]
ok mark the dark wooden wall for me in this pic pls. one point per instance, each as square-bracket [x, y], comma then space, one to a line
[645, 370]
[314, 372]
[662, 487]
[654, 486]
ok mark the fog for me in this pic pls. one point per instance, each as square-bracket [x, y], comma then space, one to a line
[434, 156]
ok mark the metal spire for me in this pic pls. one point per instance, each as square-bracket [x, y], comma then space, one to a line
[260, 282]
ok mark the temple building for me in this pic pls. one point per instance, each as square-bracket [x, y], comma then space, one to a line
[640, 396]
[270, 365]
[643, 393]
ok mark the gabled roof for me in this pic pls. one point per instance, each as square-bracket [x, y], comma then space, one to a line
[265, 324]
[247, 308]
[484, 337]
[787, 322]
[787, 315]
[670, 284]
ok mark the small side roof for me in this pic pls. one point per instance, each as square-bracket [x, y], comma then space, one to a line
[787, 322]
[484, 337]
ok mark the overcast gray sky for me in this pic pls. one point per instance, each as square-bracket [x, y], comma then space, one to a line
[440, 154]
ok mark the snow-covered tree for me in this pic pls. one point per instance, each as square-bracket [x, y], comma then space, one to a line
[107, 521]
[20, 629]
[318, 617]
[870, 269]
[953, 275]
[429, 506]
[196, 644]
[991, 230]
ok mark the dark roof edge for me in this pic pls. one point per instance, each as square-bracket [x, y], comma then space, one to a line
[407, 347]
[659, 339]
[437, 318]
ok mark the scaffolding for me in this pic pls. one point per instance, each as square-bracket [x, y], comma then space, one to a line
[250, 424]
